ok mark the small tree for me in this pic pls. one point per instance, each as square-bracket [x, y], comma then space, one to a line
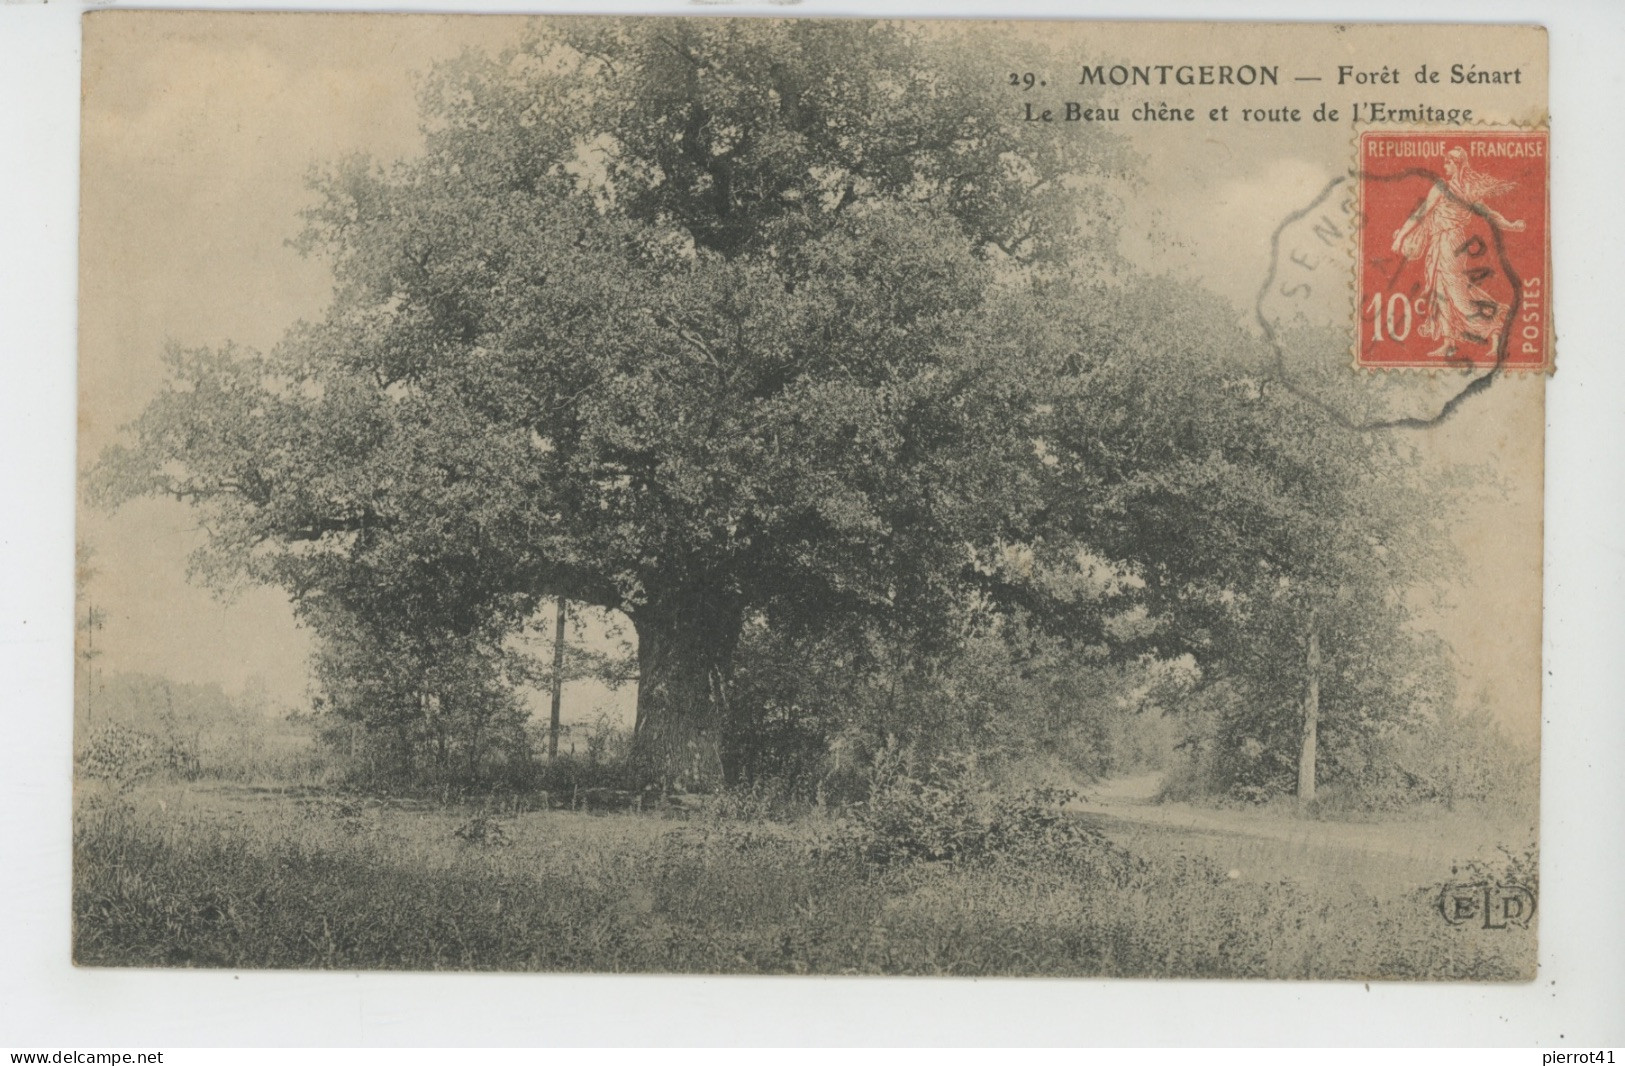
[441, 711]
[89, 621]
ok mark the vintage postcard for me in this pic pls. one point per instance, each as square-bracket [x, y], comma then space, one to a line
[818, 496]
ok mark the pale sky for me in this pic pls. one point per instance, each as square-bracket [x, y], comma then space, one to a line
[197, 144]
[199, 131]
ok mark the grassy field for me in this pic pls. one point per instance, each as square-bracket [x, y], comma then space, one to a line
[237, 877]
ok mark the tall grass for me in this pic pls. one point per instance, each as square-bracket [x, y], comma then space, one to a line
[185, 879]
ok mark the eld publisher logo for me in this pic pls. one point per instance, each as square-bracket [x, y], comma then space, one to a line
[1494, 906]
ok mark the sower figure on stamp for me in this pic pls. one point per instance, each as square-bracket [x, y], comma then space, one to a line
[1458, 309]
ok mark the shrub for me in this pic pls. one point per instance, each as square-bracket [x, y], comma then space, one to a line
[119, 754]
[954, 818]
[571, 774]
[761, 800]
[484, 831]
[906, 820]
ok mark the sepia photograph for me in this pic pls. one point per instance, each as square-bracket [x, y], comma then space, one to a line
[810, 496]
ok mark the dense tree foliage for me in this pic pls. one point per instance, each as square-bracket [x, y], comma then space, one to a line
[1198, 522]
[732, 324]
[1253, 523]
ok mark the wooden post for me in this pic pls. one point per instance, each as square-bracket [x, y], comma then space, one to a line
[1311, 717]
[558, 680]
[92, 623]
[90, 665]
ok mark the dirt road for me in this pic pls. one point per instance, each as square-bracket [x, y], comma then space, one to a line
[1276, 843]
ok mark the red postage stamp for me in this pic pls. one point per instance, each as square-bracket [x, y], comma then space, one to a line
[1453, 268]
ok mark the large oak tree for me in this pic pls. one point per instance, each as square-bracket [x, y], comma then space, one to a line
[707, 320]
[671, 317]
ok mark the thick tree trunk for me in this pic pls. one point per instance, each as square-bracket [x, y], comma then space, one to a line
[1311, 719]
[685, 661]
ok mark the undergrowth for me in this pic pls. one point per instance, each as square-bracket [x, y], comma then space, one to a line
[914, 883]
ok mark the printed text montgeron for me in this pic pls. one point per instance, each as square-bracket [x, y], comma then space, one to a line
[1181, 74]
